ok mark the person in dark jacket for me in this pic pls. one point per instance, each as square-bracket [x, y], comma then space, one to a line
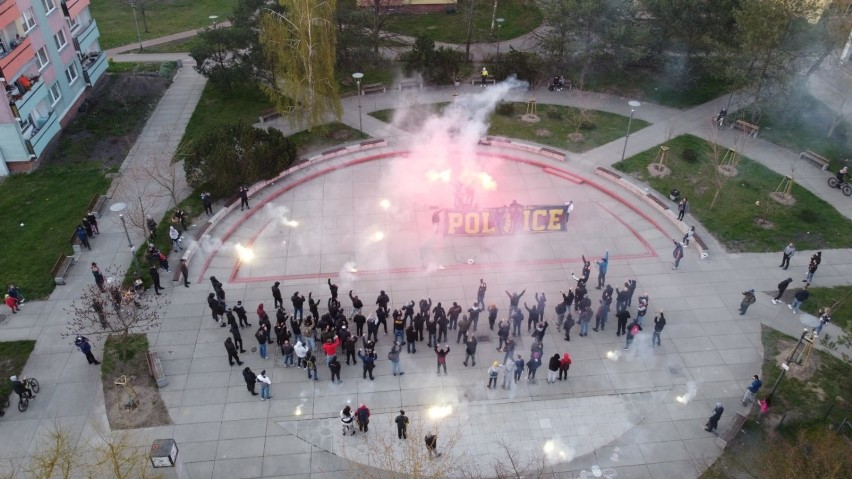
[357, 304]
[238, 338]
[241, 314]
[442, 358]
[368, 360]
[782, 286]
[713, 421]
[748, 300]
[85, 347]
[470, 349]
[277, 300]
[298, 305]
[411, 339]
[622, 317]
[155, 279]
[659, 324]
[334, 367]
[553, 368]
[83, 237]
[401, 425]
[184, 271]
[251, 378]
[243, 192]
[217, 288]
[232, 352]
[800, 297]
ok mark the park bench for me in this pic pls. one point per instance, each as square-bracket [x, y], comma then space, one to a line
[746, 127]
[60, 268]
[96, 206]
[409, 84]
[477, 80]
[155, 367]
[76, 244]
[373, 88]
[268, 114]
[815, 158]
[731, 431]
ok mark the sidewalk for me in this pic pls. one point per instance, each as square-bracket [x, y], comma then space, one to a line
[161, 40]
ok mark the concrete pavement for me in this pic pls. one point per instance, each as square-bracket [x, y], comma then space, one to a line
[618, 411]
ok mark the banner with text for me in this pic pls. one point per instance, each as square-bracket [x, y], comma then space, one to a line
[505, 220]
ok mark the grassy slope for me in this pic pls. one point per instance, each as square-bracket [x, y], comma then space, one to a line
[811, 223]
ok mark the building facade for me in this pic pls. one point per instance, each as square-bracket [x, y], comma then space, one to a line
[49, 58]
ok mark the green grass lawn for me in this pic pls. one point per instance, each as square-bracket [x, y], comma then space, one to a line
[133, 67]
[49, 202]
[13, 357]
[601, 127]
[177, 46]
[838, 298]
[327, 135]
[218, 108]
[115, 19]
[811, 223]
[520, 18]
[801, 124]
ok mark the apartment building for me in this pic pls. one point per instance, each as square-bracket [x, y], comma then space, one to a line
[49, 58]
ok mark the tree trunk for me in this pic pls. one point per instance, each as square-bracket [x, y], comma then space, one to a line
[144, 19]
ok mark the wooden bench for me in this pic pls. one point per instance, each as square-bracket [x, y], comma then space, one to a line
[478, 81]
[373, 88]
[409, 84]
[60, 268]
[268, 114]
[815, 158]
[155, 367]
[76, 244]
[746, 127]
[732, 430]
[96, 206]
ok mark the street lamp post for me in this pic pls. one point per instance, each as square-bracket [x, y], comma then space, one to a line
[213, 20]
[133, 7]
[633, 106]
[499, 24]
[119, 208]
[358, 76]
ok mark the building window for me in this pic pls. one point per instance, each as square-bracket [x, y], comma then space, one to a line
[49, 6]
[60, 40]
[71, 73]
[28, 19]
[55, 94]
[42, 59]
[72, 23]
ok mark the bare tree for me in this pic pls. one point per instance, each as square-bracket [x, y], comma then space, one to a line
[168, 173]
[56, 456]
[380, 13]
[468, 10]
[142, 197]
[114, 310]
[120, 457]
[516, 464]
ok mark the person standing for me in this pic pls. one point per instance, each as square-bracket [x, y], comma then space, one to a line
[411, 339]
[368, 362]
[207, 201]
[824, 317]
[553, 368]
[622, 317]
[682, 208]
[362, 415]
[752, 389]
[748, 300]
[812, 267]
[493, 372]
[152, 227]
[463, 327]
[232, 352]
[480, 293]
[241, 314]
[311, 365]
[508, 373]
[87, 226]
[277, 300]
[401, 425]
[713, 420]
[532, 366]
[484, 76]
[265, 382]
[782, 286]
[334, 369]
[800, 297]
[470, 349]
[432, 440]
[357, 304]
[659, 324]
[677, 253]
[632, 331]
[85, 347]
[603, 264]
[238, 338]
[243, 192]
[99, 277]
[180, 218]
[687, 237]
[251, 379]
[298, 305]
[174, 235]
[184, 272]
[564, 366]
[441, 356]
[788, 253]
[93, 222]
[84, 239]
[393, 357]
[155, 278]
[262, 336]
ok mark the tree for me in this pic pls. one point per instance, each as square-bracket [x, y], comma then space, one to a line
[582, 33]
[142, 197]
[301, 47]
[468, 11]
[439, 66]
[168, 174]
[769, 51]
[811, 453]
[231, 57]
[226, 157]
[525, 66]
[380, 12]
[114, 310]
[55, 456]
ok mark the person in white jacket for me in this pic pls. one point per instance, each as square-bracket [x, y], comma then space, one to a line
[301, 352]
[174, 234]
[347, 421]
[265, 382]
[509, 374]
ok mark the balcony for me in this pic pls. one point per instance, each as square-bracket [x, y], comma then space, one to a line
[85, 36]
[9, 12]
[42, 136]
[26, 102]
[14, 61]
[74, 7]
[94, 66]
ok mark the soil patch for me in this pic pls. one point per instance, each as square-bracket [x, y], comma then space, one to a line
[149, 408]
[803, 372]
[110, 121]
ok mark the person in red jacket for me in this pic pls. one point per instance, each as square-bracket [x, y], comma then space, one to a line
[12, 303]
[564, 365]
[330, 349]
[442, 358]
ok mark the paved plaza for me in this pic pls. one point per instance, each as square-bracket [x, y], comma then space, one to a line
[626, 414]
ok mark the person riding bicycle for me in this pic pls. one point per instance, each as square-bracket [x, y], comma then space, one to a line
[20, 388]
[841, 175]
[720, 118]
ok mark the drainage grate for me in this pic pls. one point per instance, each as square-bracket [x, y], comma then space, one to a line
[483, 338]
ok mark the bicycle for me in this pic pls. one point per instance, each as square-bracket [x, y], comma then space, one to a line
[842, 185]
[32, 385]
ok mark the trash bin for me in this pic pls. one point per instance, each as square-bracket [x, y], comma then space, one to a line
[674, 195]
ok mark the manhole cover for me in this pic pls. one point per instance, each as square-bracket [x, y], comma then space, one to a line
[483, 338]
[675, 371]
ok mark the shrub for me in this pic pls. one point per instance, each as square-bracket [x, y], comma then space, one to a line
[505, 108]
